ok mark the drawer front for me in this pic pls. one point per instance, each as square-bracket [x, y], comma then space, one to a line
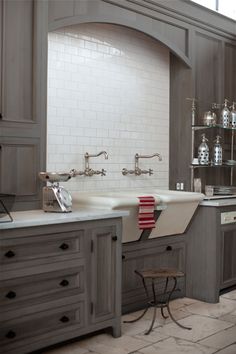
[40, 287]
[35, 247]
[45, 322]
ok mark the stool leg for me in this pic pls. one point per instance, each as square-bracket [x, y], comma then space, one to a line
[168, 306]
[162, 308]
[154, 309]
[147, 306]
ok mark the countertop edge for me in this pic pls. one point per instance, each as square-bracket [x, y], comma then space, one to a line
[33, 218]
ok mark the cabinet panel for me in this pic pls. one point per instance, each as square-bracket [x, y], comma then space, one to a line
[208, 84]
[42, 246]
[230, 72]
[19, 167]
[17, 60]
[13, 332]
[228, 276]
[103, 273]
[36, 289]
[167, 254]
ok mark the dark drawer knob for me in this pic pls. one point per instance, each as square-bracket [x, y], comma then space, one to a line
[10, 334]
[123, 256]
[64, 282]
[64, 319]
[114, 238]
[64, 246]
[1, 116]
[11, 295]
[169, 248]
[9, 254]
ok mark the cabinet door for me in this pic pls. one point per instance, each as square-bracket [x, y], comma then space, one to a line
[228, 269]
[17, 60]
[103, 264]
[159, 254]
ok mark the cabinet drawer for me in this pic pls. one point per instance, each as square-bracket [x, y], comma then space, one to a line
[23, 328]
[41, 287]
[35, 247]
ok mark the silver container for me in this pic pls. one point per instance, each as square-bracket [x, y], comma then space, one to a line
[225, 115]
[209, 118]
[217, 152]
[203, 152]
[233, 116]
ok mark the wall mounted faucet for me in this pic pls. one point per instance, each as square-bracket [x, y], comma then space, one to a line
[89, 172]
[137, 170]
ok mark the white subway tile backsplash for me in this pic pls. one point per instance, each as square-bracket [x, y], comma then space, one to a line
[108, 89]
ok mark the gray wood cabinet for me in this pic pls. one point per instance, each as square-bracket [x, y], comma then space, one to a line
[228, 270]
[22, 110]
[17, 61]
[210, 256]
[168, 251]
[59, 282]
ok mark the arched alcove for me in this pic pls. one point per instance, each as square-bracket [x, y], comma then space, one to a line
[108, 90]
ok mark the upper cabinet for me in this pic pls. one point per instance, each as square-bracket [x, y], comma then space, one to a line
[16, 60]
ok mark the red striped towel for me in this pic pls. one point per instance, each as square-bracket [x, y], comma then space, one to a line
[146, 212]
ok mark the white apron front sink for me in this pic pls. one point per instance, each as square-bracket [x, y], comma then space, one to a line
[177, 209]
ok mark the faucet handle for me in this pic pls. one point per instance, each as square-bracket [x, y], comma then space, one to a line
[150, 172]
[103, 172]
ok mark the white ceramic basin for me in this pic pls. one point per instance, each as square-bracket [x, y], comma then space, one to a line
[177, 209]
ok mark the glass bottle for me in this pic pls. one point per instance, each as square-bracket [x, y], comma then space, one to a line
[203, 151]
[225, 115]
[217, 152]
[233, 115]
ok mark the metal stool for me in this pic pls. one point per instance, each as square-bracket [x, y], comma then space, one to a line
[165, 297]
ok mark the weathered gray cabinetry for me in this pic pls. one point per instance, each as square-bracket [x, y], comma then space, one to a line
[210, 253]
[166, 251]
[228, 271]
[20, 97]
[59, 282]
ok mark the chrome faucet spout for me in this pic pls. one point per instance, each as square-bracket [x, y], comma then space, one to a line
[87, 155]
[137, 156]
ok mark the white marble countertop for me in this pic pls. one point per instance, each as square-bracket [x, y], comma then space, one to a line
[219, 202]
[39, 217]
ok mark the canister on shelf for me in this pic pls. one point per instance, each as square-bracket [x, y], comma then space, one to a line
[209, 118]
[217, 152]
[233, 115]
[225, 115]
[203, 151]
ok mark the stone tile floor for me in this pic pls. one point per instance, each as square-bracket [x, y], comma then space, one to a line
[213, 331]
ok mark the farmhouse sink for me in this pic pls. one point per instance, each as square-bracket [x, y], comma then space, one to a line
[177, 209]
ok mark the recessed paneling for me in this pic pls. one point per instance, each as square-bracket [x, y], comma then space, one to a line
[60, 9]
[19, 165]
[17, 60]
[208, 83]
[230, 72]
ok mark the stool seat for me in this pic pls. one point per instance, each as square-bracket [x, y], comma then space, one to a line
[160, 273]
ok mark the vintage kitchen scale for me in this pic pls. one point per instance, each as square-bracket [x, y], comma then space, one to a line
[55, 197]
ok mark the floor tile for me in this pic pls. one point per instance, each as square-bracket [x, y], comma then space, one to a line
[184, 301]
[176, 346]
[229, 350]
[221, 339]
[73, 348]
[202, 327]
[224, 307]
[152, 337]
[231, 295]
[228, 318]
[106, 344]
